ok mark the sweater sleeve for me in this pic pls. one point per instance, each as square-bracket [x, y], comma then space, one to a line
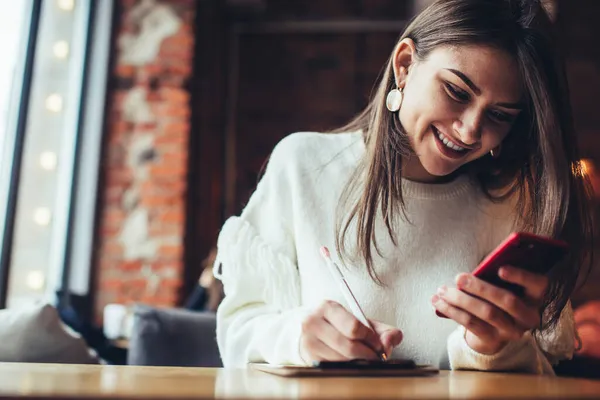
[533, 353]
[259, 320]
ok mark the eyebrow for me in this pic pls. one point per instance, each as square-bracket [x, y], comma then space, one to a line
[466, 80]
[512, 106]
[474, 88]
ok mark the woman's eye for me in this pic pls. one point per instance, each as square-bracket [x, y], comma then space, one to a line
[500, 116]
[457, 94]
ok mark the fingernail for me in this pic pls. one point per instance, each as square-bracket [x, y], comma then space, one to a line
[441, 290]
[435, 298]
[463, 281]
[502, 273]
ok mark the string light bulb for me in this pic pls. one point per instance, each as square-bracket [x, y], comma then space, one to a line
[583, 167]
[586, 167]
[42, 216]
[35, 280]
[61, 49]
[48, 160]
[54, 103]
[67, 5]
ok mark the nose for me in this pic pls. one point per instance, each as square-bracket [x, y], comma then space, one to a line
[468, 126]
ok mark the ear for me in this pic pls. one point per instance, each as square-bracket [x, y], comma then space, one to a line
[404, 56]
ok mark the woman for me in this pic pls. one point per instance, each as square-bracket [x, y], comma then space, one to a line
[468, 137]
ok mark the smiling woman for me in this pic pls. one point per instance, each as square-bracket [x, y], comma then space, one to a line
[441, 87]
[468, 137]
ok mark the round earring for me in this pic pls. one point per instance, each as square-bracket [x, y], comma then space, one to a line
[394, 99]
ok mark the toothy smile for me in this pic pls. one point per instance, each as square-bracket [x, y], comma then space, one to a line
[448, 143]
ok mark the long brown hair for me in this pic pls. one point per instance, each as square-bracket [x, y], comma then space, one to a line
[539, 164]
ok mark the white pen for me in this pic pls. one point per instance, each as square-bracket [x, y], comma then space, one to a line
[336, 272]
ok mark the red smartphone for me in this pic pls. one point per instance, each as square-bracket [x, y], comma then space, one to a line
[530, 252]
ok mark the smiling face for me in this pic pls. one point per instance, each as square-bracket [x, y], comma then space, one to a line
[459, 103]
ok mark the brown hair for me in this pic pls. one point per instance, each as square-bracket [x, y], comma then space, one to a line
[539, 163]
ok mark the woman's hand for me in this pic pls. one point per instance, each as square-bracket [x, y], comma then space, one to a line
[493, 316]
[331, 333]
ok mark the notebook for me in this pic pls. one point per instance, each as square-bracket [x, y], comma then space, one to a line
[349, 368]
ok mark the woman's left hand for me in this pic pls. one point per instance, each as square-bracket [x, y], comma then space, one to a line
[493, 316]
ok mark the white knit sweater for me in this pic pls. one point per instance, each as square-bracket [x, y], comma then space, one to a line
[273, 274]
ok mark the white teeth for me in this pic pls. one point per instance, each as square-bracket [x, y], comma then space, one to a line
[448, 143]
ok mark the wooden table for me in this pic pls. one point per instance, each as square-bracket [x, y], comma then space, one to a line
[127, 382]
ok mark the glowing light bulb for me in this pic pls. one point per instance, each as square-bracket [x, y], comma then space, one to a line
[586, 167]
[61, 49]
[54, 103]
[66, 5]
[42, 216]
[48, 160]
[583, 167]
[35, 280]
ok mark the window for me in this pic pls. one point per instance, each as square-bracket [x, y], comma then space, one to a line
[42, 152]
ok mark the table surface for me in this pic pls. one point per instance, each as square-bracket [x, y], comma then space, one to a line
[114, 382]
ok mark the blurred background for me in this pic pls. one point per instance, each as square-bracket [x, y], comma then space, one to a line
[131, 129]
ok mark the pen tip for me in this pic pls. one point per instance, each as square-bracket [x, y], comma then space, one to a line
[324, 251]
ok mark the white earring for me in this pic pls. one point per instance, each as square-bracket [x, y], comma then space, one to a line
[394, 99]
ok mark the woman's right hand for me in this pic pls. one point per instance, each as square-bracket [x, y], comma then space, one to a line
[331, 333]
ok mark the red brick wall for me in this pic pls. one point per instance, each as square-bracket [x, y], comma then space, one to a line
[141, 216]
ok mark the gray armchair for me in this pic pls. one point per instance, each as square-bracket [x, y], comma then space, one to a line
[173, 337]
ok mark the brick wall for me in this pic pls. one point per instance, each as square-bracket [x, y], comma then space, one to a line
[141, 216]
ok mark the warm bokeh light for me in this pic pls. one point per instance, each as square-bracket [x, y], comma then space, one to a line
[583, 167]
[586, 167]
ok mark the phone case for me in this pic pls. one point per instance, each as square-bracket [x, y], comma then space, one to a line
[530, 252]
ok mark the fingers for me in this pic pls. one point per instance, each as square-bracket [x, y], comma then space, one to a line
[332, 333]
[347, 347]
[319, 351]
[390, 337]
[349, 326]
[535, 284]
[390, 340]
[469, 321]
[482, 311]
[525, 315]
[491, 315]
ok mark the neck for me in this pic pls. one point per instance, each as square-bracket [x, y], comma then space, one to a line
[413, 170]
